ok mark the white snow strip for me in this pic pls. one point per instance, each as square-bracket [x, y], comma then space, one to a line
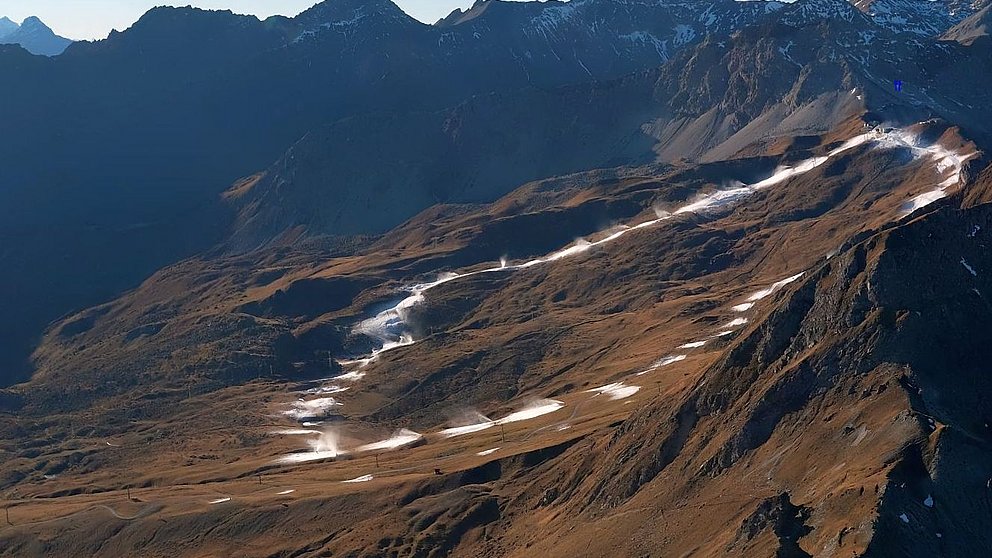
[743, 307]
[663, 362]
[923, 200]
[326, 390]
[295, 432]
[532, 411]
[314, 408]
[969, 268]
[468, 429]
[352, 376]
[693, 345]
[389, 326]
[402, 438]
[764, 293]
[724, 333]
[325, 446]
[948, 164]
[484, 453]
[904, 518]
[736, 322]
[219, 501]
[668, 360]
[306, 456]
[616, 391]
[724, 198]
[363, 478]
[285, 492]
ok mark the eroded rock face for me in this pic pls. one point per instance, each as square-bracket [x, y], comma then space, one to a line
[903, 311]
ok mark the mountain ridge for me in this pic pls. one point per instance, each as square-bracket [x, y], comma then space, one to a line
[221, 57]
[33, 35]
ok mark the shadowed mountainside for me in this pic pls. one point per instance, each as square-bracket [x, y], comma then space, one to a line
[151, 124]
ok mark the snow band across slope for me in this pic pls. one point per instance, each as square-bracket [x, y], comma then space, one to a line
[390, 326]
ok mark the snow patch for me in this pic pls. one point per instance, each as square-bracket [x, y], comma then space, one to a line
[363, 478]
[948, 164]
[663, 362]
[969, 268]
[404, 437]
[616, 391]
[736, 322]
[765, 293]
[326, 390]
[306, 456]
[923, 200]
[467, 429]
[303, 409]
[532, 411]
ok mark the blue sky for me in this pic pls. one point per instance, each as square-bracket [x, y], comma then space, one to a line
[93, 19]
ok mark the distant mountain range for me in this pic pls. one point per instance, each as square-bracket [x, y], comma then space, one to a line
[33, 35]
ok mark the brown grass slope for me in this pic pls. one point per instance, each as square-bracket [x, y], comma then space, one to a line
[808, 432]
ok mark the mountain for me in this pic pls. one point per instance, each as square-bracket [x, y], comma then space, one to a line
[816, 63]
[125, 195]
[831, 360]
[7, 27]
[722, 299]
[166, 115]
[34, 36]
[972, 29]
[918, 17]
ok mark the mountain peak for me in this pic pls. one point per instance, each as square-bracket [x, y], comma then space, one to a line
[34, 21]
[920, 17]
[350, 11]
[7, 26]
[348, 15]
[166, 16]
[805, 12]
[971, 29]
[495, 8]
[33, 35]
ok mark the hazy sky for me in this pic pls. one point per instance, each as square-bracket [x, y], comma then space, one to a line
[93, 19]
